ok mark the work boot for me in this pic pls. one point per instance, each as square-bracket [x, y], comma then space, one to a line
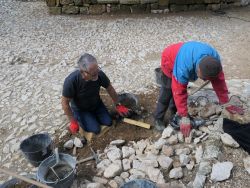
[159, 125]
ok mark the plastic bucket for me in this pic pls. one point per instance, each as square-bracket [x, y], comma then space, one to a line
[36, 148]
[68, 176]
[139, 183]
[129, 100]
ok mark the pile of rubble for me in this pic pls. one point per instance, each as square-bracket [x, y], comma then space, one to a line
[171, 157]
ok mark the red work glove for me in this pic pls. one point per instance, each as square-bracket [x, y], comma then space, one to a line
[122, 110]
[235, 110]
[73, 127]
[185, 126]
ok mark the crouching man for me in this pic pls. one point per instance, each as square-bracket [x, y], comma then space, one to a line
[81, 101]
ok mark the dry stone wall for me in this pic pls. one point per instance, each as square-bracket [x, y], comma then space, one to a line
[133, 6]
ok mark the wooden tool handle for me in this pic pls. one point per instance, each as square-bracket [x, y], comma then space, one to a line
[84, 160]
[28, 180]
[74, 151]
[136, 123]
[199, 88]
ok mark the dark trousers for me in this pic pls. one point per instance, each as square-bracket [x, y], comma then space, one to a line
[91, 121]
[165, 100]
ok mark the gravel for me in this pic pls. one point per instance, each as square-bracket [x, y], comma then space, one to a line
[39, 50]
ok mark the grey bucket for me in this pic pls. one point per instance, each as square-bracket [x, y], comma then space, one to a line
[65, 182]
[158, 76]
[139, 183]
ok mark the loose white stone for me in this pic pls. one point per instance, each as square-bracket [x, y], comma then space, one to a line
[204, 168]
[103, 164]
[119, 180]
[212, 149]
[114, 154]
[180, 137]
[124, 175]
[190, 166]
[155, 175]
[69, 144]
[117, 142]
[141, 145]
[199, 181]
[229, 141]
[221, 171]
[172, 140]
[95, 185]
[197, 140]
[151, 149]
[137, 173]
[246, 162]
[78, 142]
[112, 170]
[167, 132]
[167, 150]
[126, 163]
[150, 162]
[159, 143]
[113, 184]
[176, 173]
[185, 151]
[109, 148]
[198, 154]
[165, 162]
[100, 180]
[184, 159]
[127, 151]
[119, 162]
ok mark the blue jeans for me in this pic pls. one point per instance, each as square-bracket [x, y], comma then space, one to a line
[91, 121]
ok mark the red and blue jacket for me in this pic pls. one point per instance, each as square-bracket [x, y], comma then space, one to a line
[180, 61]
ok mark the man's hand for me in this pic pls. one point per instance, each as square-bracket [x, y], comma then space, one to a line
[122, 110]
[235, 110]
[73, 127]
[185, 126]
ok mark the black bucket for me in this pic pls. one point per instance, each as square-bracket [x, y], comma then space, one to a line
[36, 148]
[139, 183]
[129, 100]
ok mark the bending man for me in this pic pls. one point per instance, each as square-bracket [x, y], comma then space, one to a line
[181, 63]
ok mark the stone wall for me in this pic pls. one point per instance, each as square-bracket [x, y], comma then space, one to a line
[133, 6]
